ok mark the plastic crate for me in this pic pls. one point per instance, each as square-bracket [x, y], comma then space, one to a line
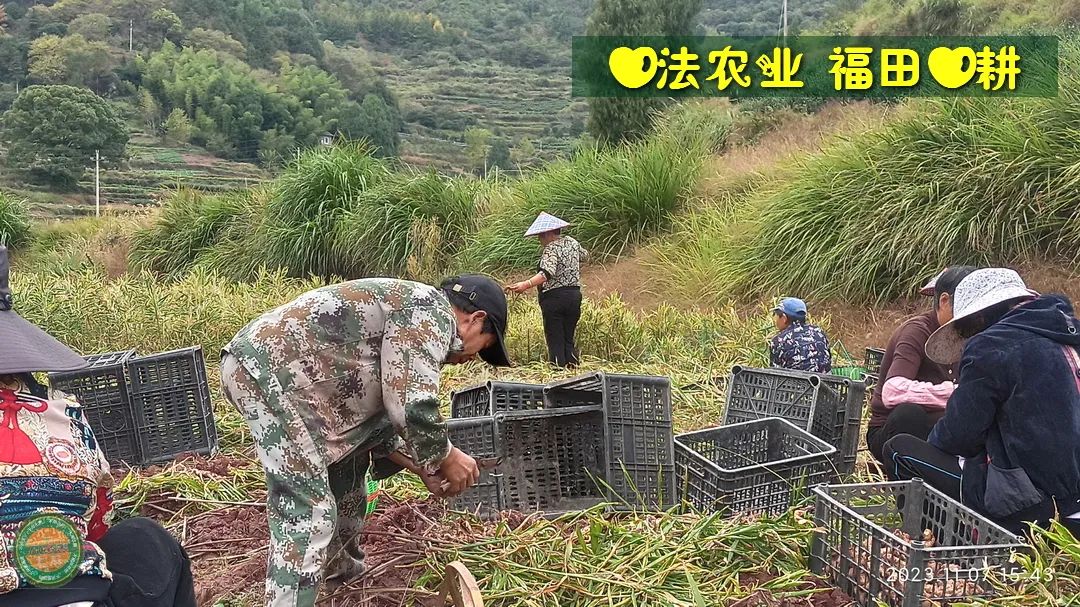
[759, 393]
[552, 460]
[638, 441]
[857, 549]
[750, 467]
[873, 359]
[476, 436]
[171, 400]
[102, 392]
[494, 397]
[838, 419]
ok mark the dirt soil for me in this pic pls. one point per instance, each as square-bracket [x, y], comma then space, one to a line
[225, 564]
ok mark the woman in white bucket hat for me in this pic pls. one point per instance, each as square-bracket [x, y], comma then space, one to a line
[1009, 443]
[558, 281]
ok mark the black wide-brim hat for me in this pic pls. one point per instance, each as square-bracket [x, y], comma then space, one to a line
[25, 348]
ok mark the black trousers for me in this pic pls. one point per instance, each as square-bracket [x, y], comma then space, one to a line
[149, 567]
[904, 419]
[561, 310]
[908, 457]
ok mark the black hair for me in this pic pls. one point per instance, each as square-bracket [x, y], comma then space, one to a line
[462, 302]
[976, 323]
[948, 281]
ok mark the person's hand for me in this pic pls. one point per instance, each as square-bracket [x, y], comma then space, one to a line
[518, 287]
[433, 482]
[459, 471]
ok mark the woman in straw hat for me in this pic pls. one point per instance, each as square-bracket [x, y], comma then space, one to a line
[559, 283]
[1009, 443]
[55, 493]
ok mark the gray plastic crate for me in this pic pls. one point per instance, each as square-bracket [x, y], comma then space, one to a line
[102, 392]
[838, 419]
[171, 400]
[552, 460]
[749, 468]
[639, 445]
[857, 548]
[477, 437]
[760, 393]
[493, 397]
[828, 406]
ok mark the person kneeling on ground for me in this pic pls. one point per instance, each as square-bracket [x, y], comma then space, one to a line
[798, 346]
[1008, 445]
[55, 483]
[912, 391]
[344, 377]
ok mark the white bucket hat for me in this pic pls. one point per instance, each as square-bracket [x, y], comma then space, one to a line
[545, 223]
[978, 291]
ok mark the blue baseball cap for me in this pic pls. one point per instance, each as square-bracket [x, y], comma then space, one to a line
[792, 306]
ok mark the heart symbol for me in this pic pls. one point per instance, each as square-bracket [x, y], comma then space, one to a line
[633, 68]
[947, 66]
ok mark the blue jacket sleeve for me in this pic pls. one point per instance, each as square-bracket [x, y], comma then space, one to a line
[973, 406]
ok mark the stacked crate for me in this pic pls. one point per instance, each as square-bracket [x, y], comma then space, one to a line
[144, 409]
[569, 445]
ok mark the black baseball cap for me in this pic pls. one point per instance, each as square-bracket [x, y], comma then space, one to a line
[482, 293]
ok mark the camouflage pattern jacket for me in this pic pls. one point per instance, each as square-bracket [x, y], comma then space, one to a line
[360, 360]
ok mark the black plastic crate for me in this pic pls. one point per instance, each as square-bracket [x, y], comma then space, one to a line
[759, 393]
[858, 549]
[829, 406]
[552, 460]
[749, 468]
[171, 400]
[872, 360]
[494, 397]
[102, 392]
[638, 440]
[476, 437]
[838, 419]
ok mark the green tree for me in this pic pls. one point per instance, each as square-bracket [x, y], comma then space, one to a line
[12, 59]
[371, 120]
[276, 148]
[165, 24]
[51, 133]
[499, 155]
[89, 63]
[150, 112]
[48, 60]
[214, 40]
[523, 154]
[92, 26]
[616, 120]
[177, 127]
[476, 147]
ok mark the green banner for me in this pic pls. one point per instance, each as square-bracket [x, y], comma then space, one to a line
[864, 67]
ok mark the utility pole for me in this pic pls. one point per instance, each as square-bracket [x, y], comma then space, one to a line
[131, 35]
[97, 183]
[785, 20]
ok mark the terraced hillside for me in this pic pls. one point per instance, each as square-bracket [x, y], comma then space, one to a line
[151, 169]
[512, 103]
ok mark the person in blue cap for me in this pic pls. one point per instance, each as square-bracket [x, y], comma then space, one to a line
[798, 345]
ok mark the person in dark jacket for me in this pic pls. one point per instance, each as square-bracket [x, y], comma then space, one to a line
[913, 391]
[798, 345]
[1009, 443]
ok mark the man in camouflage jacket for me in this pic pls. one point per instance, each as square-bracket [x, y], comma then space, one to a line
[343, 377]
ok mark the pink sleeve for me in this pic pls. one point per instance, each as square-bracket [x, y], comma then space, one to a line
[900, 390]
